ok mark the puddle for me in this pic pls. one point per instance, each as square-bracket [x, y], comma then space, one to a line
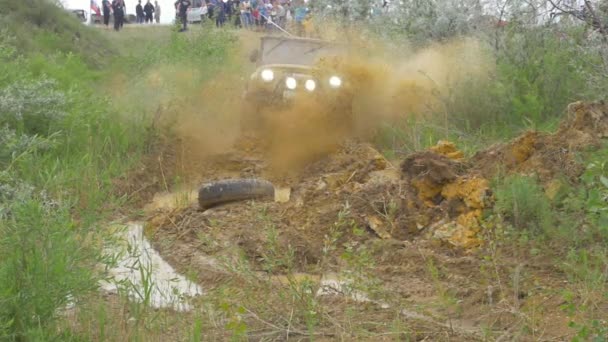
[333, 285]
[143, 274]
[330, 285]
[172, 200]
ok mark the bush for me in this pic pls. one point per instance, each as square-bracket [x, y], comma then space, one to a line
[522, 202]
[44, 265]
[61, 144]
[32, 107]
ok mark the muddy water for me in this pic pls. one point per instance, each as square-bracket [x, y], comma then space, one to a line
[144, 276]
[172, 200]
[142, 273]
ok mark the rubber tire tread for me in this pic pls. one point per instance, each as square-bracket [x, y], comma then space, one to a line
[232, 190]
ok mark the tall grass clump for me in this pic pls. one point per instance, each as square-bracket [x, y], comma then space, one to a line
[65, 136]
[61, 144]
[523, 203]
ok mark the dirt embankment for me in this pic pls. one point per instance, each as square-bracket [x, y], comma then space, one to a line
[549, 155]
[427, 210]
[436, 194]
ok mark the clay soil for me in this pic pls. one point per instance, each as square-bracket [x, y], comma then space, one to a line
[421, 219]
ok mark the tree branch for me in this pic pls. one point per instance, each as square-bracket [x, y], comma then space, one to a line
[596, 21]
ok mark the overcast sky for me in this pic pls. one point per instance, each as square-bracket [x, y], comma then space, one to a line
[167, 9]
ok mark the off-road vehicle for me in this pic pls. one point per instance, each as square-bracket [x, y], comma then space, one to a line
[291, 67]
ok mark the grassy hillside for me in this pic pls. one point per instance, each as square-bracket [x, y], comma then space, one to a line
[60, 146]
[42, 27]
[63, 141]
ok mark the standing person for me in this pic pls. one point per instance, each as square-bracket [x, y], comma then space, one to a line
[272, 15]
[220, 14]
[149, 11]
[211, 5]
[281, 14]
[255, 14]
[236, 10]
[157, 12]
[299, 17]
[229, 9]
[106, 8]
[139, 12]
[263, 14]
[288, 16]
[246, 14]
[181, 7]
[118, 6]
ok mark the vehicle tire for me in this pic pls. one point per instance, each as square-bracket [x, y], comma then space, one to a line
[232, 190]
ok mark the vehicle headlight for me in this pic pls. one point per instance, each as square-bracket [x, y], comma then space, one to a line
[291, 83]
[267, 75]
[310, 85]
[335, 82]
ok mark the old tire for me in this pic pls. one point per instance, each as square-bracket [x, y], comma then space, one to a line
[232, 190]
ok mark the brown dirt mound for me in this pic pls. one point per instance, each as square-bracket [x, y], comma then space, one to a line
[548, 155]
[437, 193]
[411, 217]
[428, 172]
[453, 200]
[318, 193]
[458, 189]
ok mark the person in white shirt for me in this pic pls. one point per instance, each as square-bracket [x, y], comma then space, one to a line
[157, 12]
[246, 18]
[281, 14]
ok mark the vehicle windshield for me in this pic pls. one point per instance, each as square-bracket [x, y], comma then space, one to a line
[297, 51]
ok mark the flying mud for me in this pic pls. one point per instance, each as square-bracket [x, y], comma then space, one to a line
[415, 215]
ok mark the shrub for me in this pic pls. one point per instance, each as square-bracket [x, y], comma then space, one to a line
[44, 265]
[32, 107]
[522, 202]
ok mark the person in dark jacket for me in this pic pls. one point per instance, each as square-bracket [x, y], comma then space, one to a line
[106, 8]
[181, 7]
[118, 6]
[211, 5]
[139, 11]
[149, 11]
[220, 14]
[229, 9]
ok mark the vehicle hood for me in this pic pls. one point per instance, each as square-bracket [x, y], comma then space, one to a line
[287, 68]
[296, 51]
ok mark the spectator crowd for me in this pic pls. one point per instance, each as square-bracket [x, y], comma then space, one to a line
[117, 11]
[259, 15]
[293, 16]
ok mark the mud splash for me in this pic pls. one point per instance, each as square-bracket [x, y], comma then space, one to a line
[378, 90]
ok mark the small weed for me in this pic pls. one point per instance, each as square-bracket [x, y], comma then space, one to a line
[447, 299]
[197, 330]
[275, 257]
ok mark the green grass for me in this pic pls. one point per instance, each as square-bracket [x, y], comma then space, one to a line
[63, 142]
[569, 231]
[522, 202]
[40, 27]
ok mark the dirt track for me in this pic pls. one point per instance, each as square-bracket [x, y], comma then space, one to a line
[421, 222]
[416, 224]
